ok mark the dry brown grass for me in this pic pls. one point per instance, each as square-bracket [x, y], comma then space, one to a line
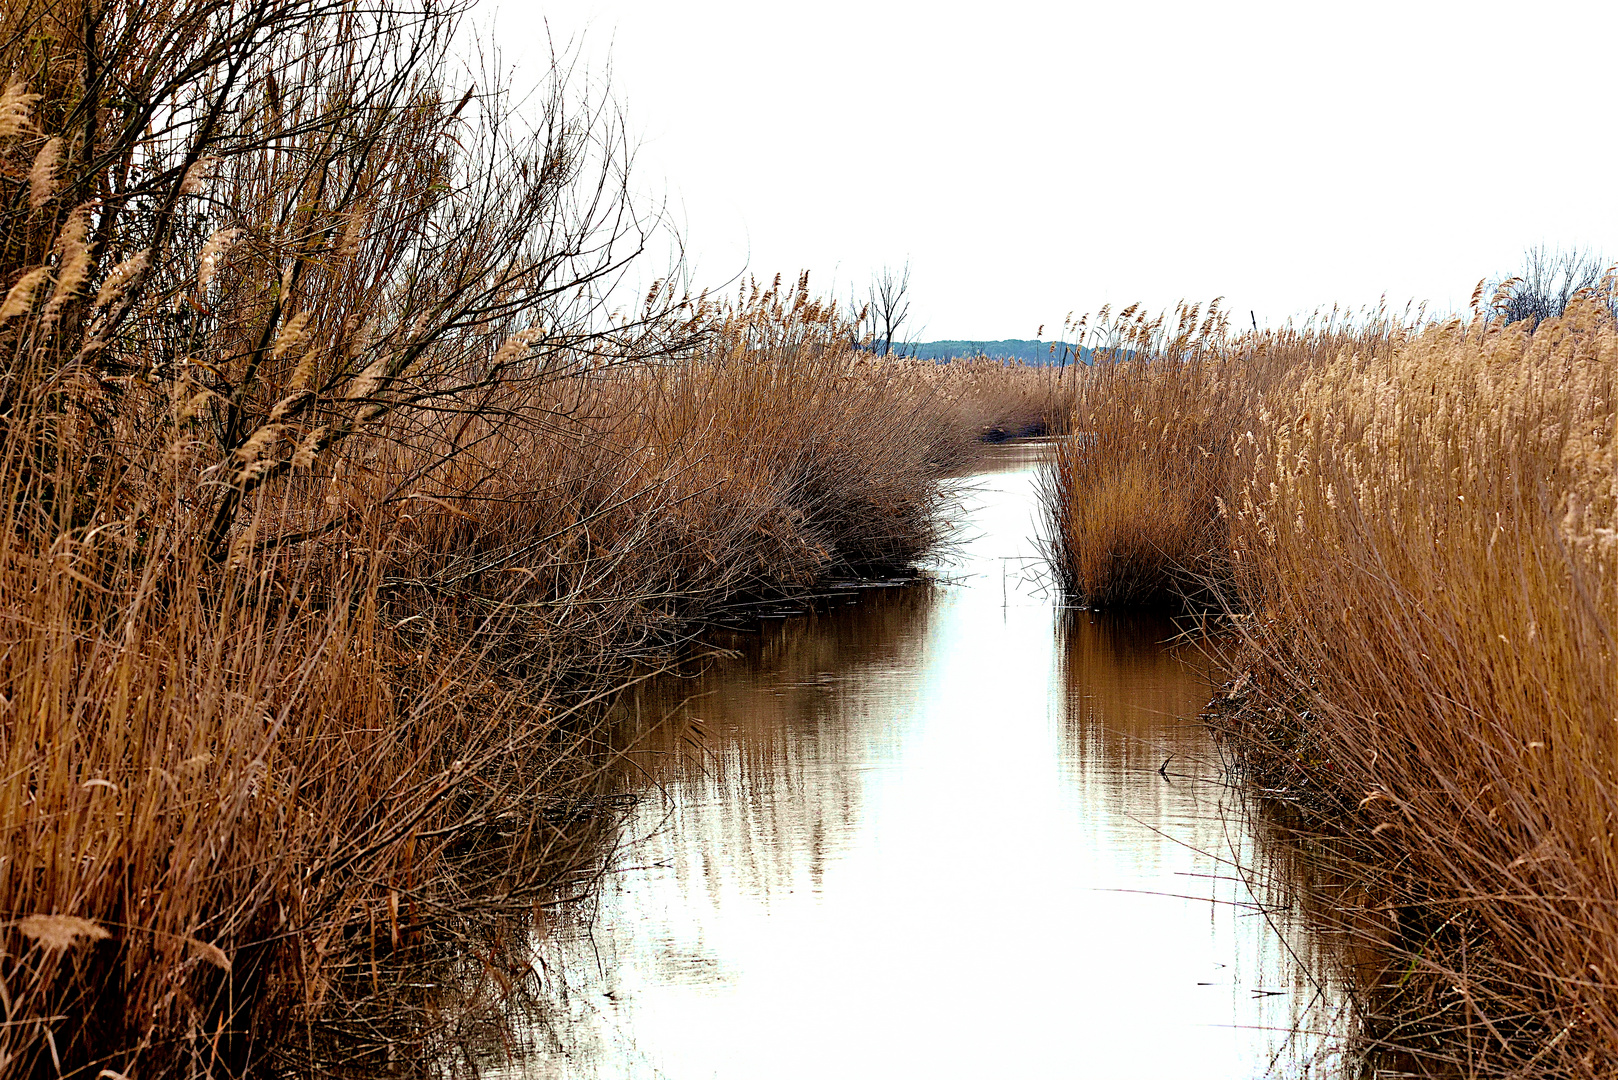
[265, 776]
[1130, 497]
[339, 506]
[1428, 536]
[1417, 541]
[993, 401]
[1132, 500]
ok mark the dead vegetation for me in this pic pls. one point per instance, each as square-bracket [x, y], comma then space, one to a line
[985, 400]
[1411, 527]
[342, 498]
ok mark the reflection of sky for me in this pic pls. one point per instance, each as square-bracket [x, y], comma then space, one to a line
[948, 855]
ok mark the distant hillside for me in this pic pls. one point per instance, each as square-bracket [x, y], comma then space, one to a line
[1027, 350]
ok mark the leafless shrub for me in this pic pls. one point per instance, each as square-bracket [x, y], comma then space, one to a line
[1548, 282]
[879, 320]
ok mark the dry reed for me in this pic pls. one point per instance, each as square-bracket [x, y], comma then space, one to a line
[340, 504]
[992, 401]
[1413, 532]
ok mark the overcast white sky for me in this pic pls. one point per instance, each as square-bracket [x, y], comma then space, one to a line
[1030, 159]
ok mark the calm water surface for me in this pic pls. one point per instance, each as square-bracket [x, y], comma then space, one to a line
[926, 835]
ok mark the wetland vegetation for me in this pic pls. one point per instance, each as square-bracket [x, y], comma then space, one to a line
[341, 502]
[1408, 526]
[350, 507]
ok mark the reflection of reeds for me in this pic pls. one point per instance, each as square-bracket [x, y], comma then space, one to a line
[1136, 685]
[1123, 684]
[1413, 528]
[744, 734]
[1318, 898]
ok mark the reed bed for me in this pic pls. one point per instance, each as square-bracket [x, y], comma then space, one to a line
[1131, 500]
[1411, 528]
[992, 401]
[236, 789]
[342, 501]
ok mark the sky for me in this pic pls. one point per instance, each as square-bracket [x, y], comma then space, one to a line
[1029, 160]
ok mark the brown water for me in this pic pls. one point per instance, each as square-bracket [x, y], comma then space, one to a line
[927, 835]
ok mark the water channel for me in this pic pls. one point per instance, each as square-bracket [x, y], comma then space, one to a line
[949, 830]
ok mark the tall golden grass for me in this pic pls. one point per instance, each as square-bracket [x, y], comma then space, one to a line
[341, 501]
[986, 400]
[1413, 529]
[1132, 500]
[243, 783]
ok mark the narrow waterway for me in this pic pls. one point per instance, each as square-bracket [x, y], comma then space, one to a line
[948, 830]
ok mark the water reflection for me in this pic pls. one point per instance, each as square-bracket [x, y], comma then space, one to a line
[947, 831]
